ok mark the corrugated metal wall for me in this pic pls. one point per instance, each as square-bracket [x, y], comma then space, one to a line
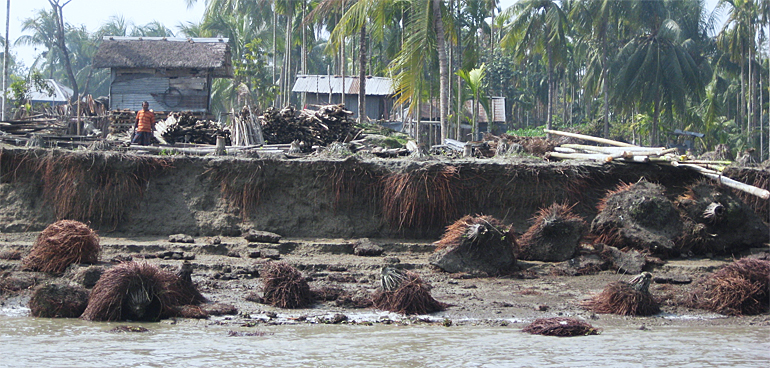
[164, 93]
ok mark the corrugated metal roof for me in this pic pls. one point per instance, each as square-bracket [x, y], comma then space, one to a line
[61, 93]
[375, 86]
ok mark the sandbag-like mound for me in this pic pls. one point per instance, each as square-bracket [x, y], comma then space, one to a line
[58, 301]
[132, 291]
[560, 326]
[285, 287]
[554, 235]
[476, 245]
[638, 216]
[740, 288]
[626, 298]
[410, 295]
[61, 244]
[717, 221]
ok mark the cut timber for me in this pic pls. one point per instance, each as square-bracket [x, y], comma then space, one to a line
[711, 174]
[590, 138]
[611, 150]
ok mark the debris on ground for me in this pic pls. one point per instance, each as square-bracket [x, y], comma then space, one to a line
[631, 298]
[561, 326]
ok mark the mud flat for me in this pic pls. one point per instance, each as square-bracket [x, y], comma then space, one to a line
[322, 208]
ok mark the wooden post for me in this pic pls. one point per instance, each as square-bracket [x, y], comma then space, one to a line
[220, 151]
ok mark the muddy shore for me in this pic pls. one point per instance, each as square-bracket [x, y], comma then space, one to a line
[321, 207]
[226, 273]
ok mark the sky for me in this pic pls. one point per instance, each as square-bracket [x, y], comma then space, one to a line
[94, 13]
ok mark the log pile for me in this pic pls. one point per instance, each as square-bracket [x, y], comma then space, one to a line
[246, 130]
[331, 123]
[626, 152]
[187, 128]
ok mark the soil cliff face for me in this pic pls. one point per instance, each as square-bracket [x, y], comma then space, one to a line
[308, 197]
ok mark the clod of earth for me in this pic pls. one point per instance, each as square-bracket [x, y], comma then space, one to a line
[638, 216]
[554, 235]
[58, 301]
[717, 221]
[476, 245]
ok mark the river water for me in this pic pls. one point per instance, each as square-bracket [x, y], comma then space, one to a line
[41, 342]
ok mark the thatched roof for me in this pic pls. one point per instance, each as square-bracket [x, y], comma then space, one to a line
[165, 53]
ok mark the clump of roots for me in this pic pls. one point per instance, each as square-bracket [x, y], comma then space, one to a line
[741, 288]
[623, 299]
[285, 287]
[61, 244]
[554, 235]
[411, 297]
[133, 291]
[561, 326]
[421, 198]
[242, 184]
[471, 229]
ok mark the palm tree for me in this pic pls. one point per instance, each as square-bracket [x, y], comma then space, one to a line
[599, 21]
[654, 70]
[425, 33]
[538, 27]
[737, 39]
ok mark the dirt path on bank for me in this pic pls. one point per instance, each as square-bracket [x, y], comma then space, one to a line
[228, 272]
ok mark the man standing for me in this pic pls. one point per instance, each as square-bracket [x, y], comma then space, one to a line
[145, 123]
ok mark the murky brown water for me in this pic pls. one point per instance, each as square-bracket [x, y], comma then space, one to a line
[33, 342]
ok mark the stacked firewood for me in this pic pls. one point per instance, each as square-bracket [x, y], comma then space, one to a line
[329, 124]
[246, 130]
[187, 128]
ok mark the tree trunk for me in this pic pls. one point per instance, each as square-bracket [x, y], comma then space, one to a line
[655, 120]
[605, 90]
[275, 51]
[60, 43]
[289, 26]
[362, 53]
[549, 107]
[442, 62]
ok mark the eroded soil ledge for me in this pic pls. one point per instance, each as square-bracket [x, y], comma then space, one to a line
[321, 207]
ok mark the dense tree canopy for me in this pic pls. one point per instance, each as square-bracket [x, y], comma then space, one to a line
[629, 70]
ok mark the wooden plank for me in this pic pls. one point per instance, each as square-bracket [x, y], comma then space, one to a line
[590, 138]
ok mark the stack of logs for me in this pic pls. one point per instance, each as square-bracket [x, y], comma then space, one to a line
[185, 127]
[331, 123]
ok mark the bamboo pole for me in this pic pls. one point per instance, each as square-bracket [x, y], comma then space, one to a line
[711, 174]
[590, 138]
[586, 147]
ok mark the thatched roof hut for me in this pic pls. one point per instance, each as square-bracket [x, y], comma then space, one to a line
[173, 74]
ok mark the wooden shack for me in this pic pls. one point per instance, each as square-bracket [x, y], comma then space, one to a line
[172, 74]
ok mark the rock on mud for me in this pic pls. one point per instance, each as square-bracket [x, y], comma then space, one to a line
[256, 236]
[365, 247]
[58, 301]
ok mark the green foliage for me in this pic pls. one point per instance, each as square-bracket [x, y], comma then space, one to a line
[528, 132]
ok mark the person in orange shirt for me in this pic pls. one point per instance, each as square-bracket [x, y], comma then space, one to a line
[145, 123]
